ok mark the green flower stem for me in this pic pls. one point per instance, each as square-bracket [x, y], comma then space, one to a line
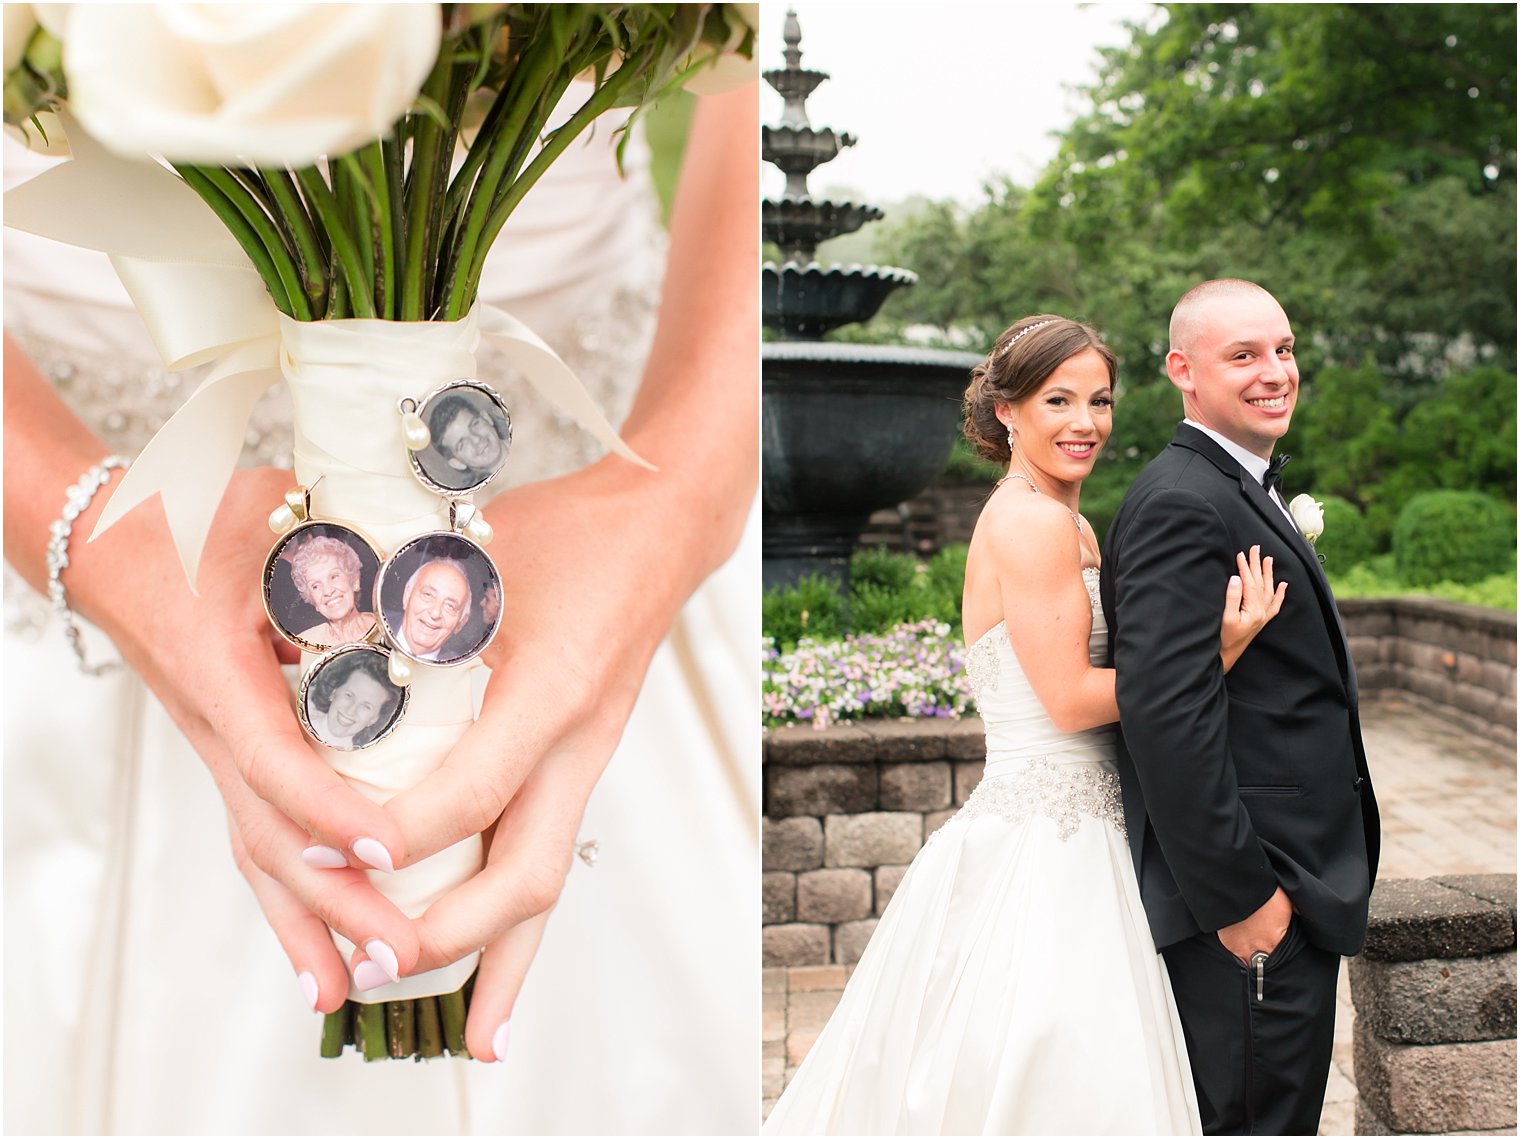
[430, 162]
[535, 66]
[248, 204]
[337, 297]
[386, 165]
[244, 231]
[429, 1029]
[348, 187]
[451, 1010]
[604, 98]
[311, 259]
[369, 1031]
[401, 1029]
[377, 191]
[324, 207]
[335, 1026]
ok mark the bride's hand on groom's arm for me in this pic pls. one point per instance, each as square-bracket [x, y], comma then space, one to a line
[213, 661]
[1251, 600]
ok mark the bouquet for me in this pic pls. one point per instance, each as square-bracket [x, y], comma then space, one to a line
[308, 193]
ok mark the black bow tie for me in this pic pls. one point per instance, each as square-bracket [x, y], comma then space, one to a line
[1272, 480]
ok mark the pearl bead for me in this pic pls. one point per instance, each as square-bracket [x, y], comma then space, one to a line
[281, 518]
[415, 431]
[480, 530]
[400, 670]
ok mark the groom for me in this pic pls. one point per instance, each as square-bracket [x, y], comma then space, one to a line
[1251, 819]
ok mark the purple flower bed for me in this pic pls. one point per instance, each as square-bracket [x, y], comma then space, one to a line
[913, 670]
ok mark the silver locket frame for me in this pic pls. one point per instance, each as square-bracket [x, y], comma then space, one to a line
[421, 409]
[469, 549]
[365, 546]
[303, 696]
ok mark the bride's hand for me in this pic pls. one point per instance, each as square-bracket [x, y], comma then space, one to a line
[1250, 601]
[213, 660]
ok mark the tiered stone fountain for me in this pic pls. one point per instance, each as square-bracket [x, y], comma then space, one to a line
[846, 428]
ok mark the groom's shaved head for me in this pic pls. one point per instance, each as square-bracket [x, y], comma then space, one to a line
[1188, 316]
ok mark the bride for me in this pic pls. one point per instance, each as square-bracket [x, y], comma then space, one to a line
[1012, 986]
[146, 987]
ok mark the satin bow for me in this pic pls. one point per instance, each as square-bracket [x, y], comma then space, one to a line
[203, 301]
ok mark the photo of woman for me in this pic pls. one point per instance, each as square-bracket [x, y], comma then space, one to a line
[351, 700]
[323, 573]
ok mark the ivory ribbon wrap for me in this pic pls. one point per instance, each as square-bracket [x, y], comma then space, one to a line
[203, 301]
[345, 377]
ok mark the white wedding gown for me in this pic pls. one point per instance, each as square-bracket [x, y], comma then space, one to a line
[1011, 987]
[144, 993]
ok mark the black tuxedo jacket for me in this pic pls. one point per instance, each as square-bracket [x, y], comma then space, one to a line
[1233, 784]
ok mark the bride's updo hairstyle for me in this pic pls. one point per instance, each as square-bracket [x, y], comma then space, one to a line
[1021, 360]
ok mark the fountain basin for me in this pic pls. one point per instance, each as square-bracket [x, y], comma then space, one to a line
[802, 302]
[798, 225]
[847, 429]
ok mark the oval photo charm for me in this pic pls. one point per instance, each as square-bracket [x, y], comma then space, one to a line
[318, 580]
[348, 700]
[439, 599]
[470, 433]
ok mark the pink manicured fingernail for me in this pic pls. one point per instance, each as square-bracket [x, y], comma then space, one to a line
[384, 956]
[309, 989]
[323, 857]
[372, 852]
[368, 975]
[499, 1040]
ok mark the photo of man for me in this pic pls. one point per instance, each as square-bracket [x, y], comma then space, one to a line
[430, 592]
[471, 435]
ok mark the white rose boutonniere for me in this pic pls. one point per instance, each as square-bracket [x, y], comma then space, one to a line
[1308, 516]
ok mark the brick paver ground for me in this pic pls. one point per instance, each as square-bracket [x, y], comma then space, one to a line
[1448, 807]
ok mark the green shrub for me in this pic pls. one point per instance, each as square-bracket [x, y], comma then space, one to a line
[966, 466]
[886, 590]
[947, 575]
[1348, 539]
[813, 607]
[1378, 578]
[882, 569]
[1453, 535]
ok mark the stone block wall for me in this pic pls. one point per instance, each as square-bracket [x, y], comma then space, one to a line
[1434, 990]
[846, 810]
[1457, 660]
[943, 514]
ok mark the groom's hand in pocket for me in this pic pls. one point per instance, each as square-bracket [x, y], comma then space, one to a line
[1261, 932]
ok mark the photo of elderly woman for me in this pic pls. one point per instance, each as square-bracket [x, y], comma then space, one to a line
[318, 586]
[350, 700]
[471, 434]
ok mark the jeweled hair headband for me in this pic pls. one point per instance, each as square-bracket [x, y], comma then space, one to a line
[1025, 332]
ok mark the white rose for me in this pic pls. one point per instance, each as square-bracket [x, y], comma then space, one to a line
[1308, 515]
[269, 84]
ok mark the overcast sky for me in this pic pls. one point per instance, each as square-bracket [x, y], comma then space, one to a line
[942, 95]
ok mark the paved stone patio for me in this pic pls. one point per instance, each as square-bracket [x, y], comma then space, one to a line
[1448, 807]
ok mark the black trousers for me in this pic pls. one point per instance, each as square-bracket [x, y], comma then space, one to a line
[1260, 1066]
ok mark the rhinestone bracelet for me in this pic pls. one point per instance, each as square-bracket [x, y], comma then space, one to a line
[78, 498]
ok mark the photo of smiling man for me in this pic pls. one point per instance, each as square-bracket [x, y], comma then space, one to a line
[471, 434]
[440, 600]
